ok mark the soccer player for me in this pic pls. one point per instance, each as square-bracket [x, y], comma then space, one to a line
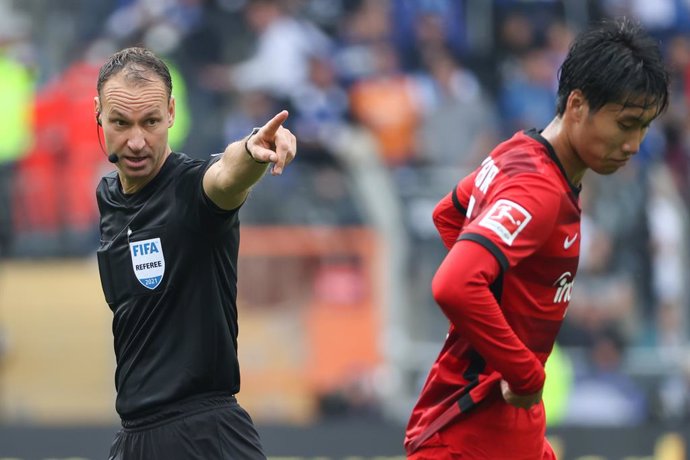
[168, 265]
[512, 228]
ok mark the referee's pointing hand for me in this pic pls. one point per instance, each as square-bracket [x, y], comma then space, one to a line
[273, 143]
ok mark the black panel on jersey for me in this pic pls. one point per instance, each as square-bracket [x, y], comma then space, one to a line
[175, 335]
[488, 244]
[497, 288]
[456, 202]
[536, 135]
[475, 366]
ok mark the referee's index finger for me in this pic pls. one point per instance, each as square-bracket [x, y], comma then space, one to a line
[274, 123]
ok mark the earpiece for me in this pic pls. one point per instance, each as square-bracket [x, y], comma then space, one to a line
[113, 158]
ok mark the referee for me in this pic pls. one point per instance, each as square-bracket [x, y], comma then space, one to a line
[168, 265]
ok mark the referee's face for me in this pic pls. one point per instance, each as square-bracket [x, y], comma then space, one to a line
[136, 116]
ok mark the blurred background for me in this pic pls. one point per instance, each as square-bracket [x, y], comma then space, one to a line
[392, 102]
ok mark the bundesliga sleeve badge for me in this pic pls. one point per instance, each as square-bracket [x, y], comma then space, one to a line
[507, 219]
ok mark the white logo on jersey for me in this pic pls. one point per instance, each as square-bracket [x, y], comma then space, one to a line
[482, 180]
[148, 261]
[564, 287]
[486, 174]
[507, 219]
[568, 242]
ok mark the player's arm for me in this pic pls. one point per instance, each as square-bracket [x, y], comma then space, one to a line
[517, 219]
[449, 213]
[461, 287]
[518, 400]
[227, 181]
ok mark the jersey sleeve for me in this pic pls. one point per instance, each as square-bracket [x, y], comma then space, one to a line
[449, 213]
[201, 213]
[461, 287]
[512, 221]
[516, 219]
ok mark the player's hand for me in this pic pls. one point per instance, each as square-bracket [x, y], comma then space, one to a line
[521, 401]
[273, 143]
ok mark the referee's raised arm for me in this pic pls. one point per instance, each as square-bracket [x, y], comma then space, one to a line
[227, 182]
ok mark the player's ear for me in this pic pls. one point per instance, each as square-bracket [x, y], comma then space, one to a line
[576, 105]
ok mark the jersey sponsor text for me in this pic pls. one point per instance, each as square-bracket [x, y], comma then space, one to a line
[564, 288]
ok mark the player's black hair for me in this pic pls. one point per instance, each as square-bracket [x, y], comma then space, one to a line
[139, 63]
[615, 61]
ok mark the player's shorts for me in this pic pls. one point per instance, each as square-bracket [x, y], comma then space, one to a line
[491, 430]
[213, 427]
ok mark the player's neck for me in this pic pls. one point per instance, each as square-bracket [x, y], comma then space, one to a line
[559, 139]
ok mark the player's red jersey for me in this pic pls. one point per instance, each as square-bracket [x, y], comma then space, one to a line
[520, 206]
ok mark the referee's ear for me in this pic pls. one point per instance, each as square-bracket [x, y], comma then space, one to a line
[97, 109]
[171, 112]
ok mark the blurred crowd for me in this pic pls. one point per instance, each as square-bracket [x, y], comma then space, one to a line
[432, 85]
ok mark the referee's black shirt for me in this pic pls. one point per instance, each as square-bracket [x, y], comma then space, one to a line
[167, 261]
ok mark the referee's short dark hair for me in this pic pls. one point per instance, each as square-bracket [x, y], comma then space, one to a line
[615, 61]
[139, 63]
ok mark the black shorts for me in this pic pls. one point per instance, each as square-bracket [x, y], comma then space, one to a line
[212, 427]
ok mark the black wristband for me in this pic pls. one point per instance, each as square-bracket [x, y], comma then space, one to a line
[246, 147]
